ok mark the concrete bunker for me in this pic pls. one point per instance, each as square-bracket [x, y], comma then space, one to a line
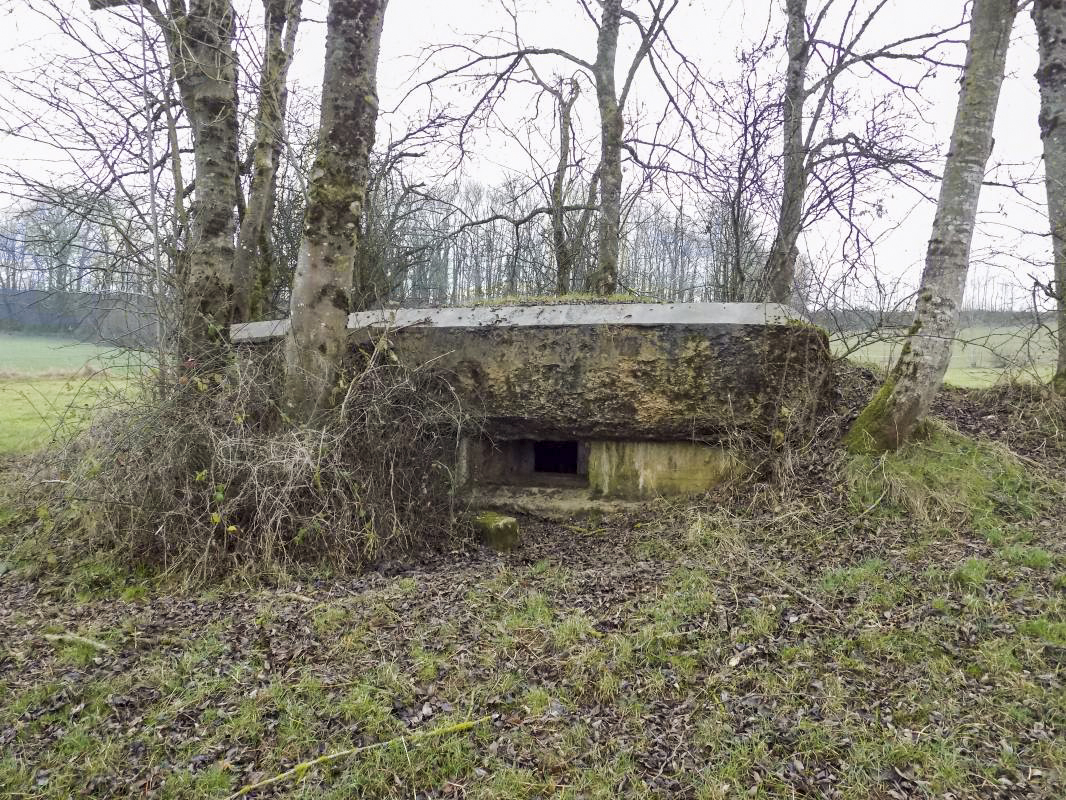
[588, 404]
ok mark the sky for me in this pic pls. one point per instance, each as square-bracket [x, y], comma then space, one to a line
[1008, 246]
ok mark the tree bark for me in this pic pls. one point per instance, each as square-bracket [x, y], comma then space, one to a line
[564, 256]
[321, 292]
[781, 261]
[1050, 19]
[201, 52]
[891, 417]
[199, 39]
[604, 281]
[253, 262]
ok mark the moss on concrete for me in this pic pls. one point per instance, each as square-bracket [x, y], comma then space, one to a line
[632, 470]
[803, 324]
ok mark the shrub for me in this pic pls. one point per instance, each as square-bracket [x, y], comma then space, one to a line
[201, 472]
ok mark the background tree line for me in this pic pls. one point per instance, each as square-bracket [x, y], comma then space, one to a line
[192, 166]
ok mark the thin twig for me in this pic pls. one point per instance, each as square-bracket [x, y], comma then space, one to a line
[302, 768]
[73, 638]
[789, 587]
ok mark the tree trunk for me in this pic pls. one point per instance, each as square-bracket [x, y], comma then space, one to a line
[1050, 19]
[252, 266]
[781, 261]
[892, 416]
[201, 50]
[604, 280]
[564, 256]
[321, 292]
[199, 42]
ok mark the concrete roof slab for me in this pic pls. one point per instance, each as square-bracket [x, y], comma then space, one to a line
[638, 314]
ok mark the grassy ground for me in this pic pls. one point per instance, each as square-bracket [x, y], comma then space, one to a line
[901, 633]
[893, 628]
[982, 356]
[23, 354]
[50, 384]
[33, 411]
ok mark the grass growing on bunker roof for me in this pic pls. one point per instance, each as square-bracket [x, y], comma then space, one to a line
[573, 298]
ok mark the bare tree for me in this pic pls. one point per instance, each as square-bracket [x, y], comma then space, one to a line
[222, 273]
[565, 243]
[891, 417]
[564, 266]
[199, 40]
[781, 263]
[322, 286]
[610, 103]
[1050, 19]
[253, 266]
[820, 150]
[495, 72]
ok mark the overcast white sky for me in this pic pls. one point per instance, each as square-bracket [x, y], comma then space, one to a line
[709, 31]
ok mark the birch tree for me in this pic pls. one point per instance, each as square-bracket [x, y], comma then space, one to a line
[322, 286]
[890, 419]
[1050, 19]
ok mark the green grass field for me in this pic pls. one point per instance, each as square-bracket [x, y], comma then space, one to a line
[982, 356]
[50, 384]
[23, 354]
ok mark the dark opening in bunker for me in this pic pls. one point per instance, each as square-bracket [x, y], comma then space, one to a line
[557, 457]
[528, 462]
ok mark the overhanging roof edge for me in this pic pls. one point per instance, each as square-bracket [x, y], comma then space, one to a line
[485, 316]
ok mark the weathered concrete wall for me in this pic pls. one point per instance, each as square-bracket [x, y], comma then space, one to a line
[648, 399]
[661, 372]
[662, 382]
[636, 470]
[482, 460]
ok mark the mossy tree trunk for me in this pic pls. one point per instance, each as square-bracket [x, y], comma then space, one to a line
[253, 268]
[1050, 19]
[604, 280]
[781, 261]
[199, 40]
[321, 292]
[892, 416]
